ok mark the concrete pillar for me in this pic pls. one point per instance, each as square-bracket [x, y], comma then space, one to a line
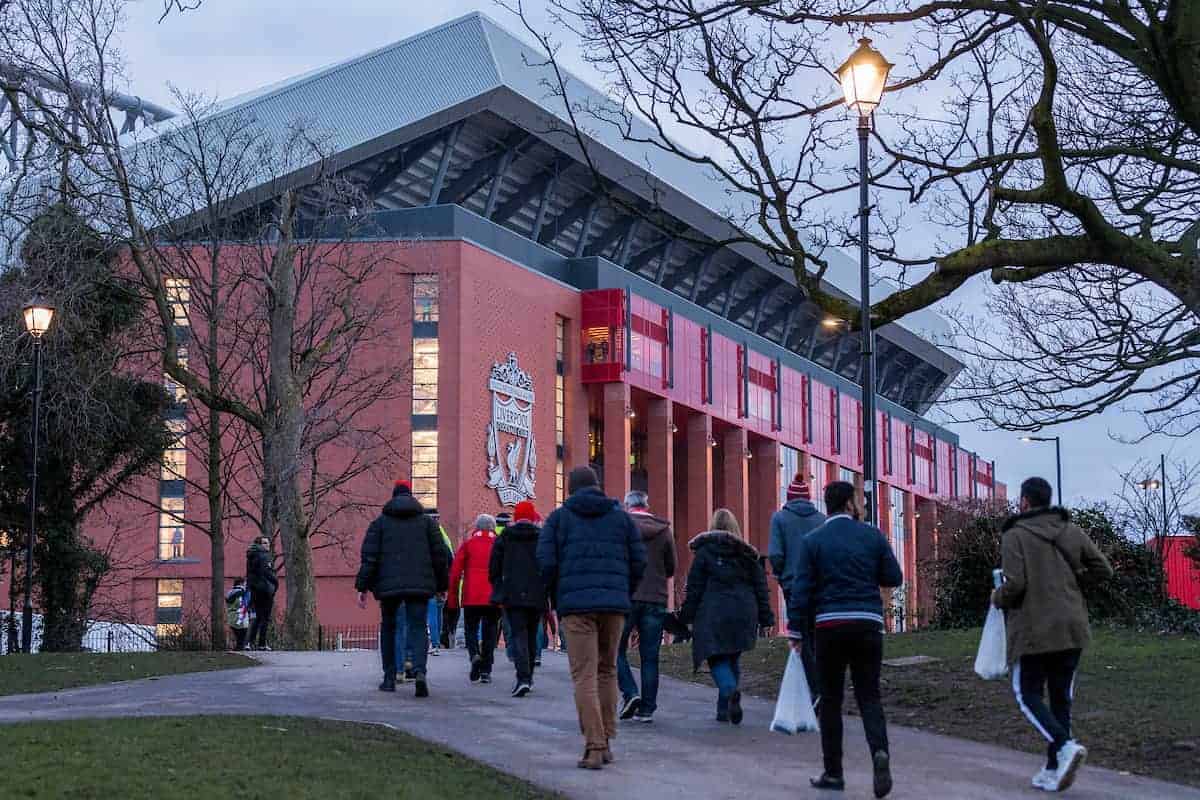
[735, 478]
[925, 551]
[765, 481]
[617, 439]
[698, 503]
[660, 457]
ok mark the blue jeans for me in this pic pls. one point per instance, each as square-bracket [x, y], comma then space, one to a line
[434, 621]
[647, 618]
[726, 674]
[402, 632]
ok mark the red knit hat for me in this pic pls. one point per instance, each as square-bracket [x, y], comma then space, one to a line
[401, 487]
[798, 489]
[525, 512]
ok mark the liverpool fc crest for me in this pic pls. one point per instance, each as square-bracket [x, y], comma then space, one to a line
[511, 433]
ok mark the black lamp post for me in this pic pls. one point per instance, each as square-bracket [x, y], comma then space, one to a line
[863, 77]
[1150, 484]
[1057, 459]
[38, 315]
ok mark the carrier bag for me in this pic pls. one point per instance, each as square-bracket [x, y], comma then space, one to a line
[991, 662]
[793, 709]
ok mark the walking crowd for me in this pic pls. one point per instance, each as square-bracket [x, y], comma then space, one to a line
[596, 576]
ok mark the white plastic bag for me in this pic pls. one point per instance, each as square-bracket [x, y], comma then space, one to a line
[793, 709]
[992, 660]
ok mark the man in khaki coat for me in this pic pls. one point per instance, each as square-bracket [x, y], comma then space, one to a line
[1044, 556]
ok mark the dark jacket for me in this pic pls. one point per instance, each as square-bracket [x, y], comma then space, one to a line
[403, 553]
[513, 571]
[260, 571]
[660, 557]
[841, 566]
[789, 526]
[591, 554]
[1044, 556]
[727, 600]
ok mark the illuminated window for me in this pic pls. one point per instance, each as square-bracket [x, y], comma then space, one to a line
[425, 298]
[560, 406]
[818, 479]
[174, 465]
[425, 376]
[425, 467]
[899, 539]
[170, 529]
[178, 296]
[168, 606]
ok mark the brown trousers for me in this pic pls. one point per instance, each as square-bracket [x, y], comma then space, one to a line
[592, 643]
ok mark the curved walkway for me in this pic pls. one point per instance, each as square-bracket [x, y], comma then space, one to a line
[684, 754]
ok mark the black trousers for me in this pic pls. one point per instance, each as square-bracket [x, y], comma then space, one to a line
[239, 635]
[485, 648]
[1055, 671]
[523, 624]
[862, 653]
[449, 625]
[263, 604]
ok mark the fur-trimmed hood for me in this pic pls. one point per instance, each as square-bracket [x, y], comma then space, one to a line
[723, 539]
[1056, 511]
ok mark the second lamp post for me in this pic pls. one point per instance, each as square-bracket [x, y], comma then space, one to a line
[863, 78]
[37, 316]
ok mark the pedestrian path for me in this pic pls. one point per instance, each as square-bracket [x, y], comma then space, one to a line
[684, 754]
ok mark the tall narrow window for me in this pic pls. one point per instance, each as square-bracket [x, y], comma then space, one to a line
[173, 472]
[560, 407]
[426, 364]
[818, 474]
[168, 607]
[900, 547]
[789, 465]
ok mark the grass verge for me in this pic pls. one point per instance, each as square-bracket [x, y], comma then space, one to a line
[1137, 696]
[181, 758]
[50, 672]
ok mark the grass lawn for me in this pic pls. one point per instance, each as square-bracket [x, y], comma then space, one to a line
[1137, 696]
[180, 758]
[49, 672]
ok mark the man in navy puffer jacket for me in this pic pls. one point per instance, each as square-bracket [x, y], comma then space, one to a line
[591, 555]
[837, 578]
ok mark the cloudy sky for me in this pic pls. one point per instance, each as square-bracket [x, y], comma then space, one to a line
[232, 46]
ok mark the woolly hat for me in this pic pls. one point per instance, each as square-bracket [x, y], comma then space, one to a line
[581, 478]
[798, 489]
[401, 487]
[525, 512]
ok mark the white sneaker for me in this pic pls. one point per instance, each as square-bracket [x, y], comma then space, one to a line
[1070, 758]
[1046, 780]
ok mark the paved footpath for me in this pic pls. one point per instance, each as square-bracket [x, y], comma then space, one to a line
[684, 754]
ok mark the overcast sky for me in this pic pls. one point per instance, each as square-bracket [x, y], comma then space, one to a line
[232, 46]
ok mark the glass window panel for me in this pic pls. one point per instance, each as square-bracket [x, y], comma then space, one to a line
[170, 585]
[425, 438]
[424, 485]
[425, 469]
[429, 376]
[168, 631]
[423, 406]
[425, 391]
[422, 362]
[425, 347]
[428, 455]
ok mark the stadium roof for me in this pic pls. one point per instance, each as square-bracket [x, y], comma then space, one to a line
[468, 113]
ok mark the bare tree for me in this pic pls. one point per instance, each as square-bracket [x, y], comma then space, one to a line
[1051, 147]
[256, 226]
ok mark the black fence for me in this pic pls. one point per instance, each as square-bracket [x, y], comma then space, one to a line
[348, 637]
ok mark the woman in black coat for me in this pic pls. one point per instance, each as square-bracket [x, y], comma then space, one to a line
[727, 602]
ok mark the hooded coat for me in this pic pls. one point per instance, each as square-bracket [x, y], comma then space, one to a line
[470, 570]
[1044, 555]
[260, 571]
[591, 555]
[727, 600]
[403, 554]
[513, 571]
[660, 557]
[789, 526]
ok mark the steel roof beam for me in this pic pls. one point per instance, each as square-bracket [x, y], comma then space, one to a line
[576, 211]
[664, 259]
[619, 228]
[407, 156]
[532, 189]
[476, 176]
[444, 164]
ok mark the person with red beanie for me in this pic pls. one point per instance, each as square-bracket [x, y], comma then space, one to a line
[471, 588]
[518, 587]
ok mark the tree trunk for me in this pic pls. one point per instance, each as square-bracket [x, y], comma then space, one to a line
[216, 532]
[286, 424]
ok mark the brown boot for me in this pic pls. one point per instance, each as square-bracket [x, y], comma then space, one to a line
[592, 759]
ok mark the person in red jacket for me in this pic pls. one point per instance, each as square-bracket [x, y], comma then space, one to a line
[470, 588]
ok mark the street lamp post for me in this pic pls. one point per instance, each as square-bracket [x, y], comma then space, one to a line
[862, 78]
[38, 315]
[1057, 459]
